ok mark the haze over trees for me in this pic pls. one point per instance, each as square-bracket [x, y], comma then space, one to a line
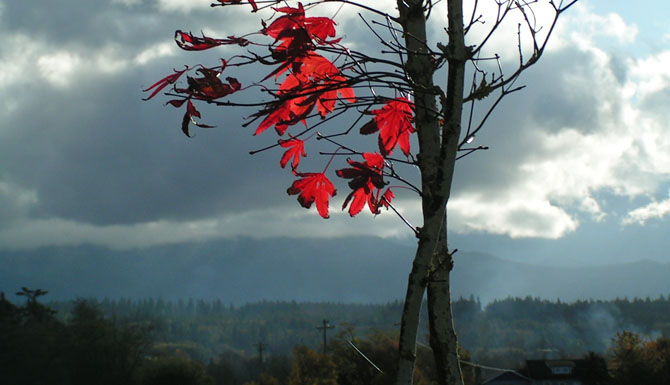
[191, 342]
[315, 75]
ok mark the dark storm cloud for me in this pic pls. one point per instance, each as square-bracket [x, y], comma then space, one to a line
[94, 152]
[91, 23]
[101, 155]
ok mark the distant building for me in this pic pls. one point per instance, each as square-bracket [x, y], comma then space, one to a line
[542, 372]
[508, 378]
[553, 372]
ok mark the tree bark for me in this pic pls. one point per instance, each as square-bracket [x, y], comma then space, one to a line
[443, 338]
[436, 159]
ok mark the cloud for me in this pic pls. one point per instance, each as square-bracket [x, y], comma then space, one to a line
[84, 157]
[181, 6]
[582, 127]
[258, 224]
[516, 218]
[654, 210]
[127, 3]
[15, 202]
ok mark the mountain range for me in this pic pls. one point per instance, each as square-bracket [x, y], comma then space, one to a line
[359, 270]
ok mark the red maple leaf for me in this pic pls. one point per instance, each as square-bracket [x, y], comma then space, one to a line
[296, 149]
[394, 123]
[291, 108]
[209, 86]
[365, 178]
[166, 81]
[386, 199]
[294, 18]
[188, 42]
[313, 187]
[252, 2]
[316, 82]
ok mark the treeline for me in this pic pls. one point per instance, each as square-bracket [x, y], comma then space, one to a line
[38, 348]
[503, 332]
[83, 347]
[132, 342]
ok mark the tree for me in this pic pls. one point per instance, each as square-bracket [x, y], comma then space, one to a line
[312, 368]
[397, 89]
[640, 360]
[99, 350]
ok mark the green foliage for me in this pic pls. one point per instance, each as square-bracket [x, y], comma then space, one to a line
[593, 370]
[174, 371]
[502, 333]
[639, 360]
[38, 348]
[312, 368]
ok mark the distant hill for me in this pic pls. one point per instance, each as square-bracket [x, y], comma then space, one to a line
[364, 270]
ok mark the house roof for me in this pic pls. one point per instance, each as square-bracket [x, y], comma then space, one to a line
[510, 376]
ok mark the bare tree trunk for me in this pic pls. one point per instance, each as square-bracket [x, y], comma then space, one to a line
[438, 145]
[443, 339]
[416, 288]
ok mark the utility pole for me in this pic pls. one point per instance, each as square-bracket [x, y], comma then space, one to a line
[325, 328]
[260, 346]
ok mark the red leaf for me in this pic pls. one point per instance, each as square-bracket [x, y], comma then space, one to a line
[294, 19]
[159, 85]
[186, 120]
[320, 27]
[252, 2]
[209, 86]
[316, 82]
[387, 197]
[176, 102]
[394, 123]
[365, 178]
[313, 187]
[191, 111]
[188, 42]
[296, 149]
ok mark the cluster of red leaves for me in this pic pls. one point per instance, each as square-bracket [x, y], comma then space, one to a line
[310, 81]
[208, 86]
[394, 123]
[316, 83]
[366, 183]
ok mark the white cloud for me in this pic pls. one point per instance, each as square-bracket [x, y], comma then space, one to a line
[291, 221]
[649, 75]
[522, 217]
[621, 149]
[154, 52]
[654, 210]
[19, 197]
[181, 6]
[15, 201]
[57, 68]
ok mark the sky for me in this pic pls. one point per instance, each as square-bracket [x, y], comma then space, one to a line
[578, 170]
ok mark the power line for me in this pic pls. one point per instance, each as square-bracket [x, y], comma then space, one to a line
[364, 356]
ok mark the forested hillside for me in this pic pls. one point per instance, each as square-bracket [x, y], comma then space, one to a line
[356, 270]
[211, 343]
[503, 332]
